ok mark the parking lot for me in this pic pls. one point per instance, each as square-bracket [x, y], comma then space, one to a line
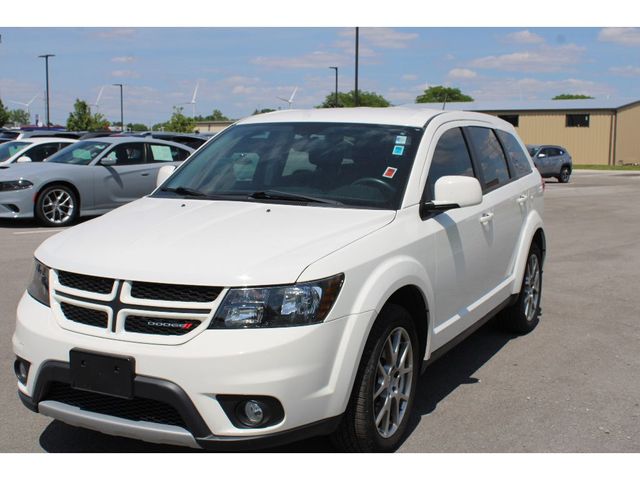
[570, 386]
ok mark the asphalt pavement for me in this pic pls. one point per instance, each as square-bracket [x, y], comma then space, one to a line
[572, 385]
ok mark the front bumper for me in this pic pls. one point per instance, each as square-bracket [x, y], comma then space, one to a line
[17, 204]
[310, 370]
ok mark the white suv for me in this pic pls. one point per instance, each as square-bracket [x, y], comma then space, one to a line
[292, 278]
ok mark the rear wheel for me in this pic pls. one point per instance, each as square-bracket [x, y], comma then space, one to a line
[565, 174]
[524, 315]
[382, 398]
[56, 206]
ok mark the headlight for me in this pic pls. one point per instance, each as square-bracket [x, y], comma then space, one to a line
[39, 286]
[15, 185]
[283, 306]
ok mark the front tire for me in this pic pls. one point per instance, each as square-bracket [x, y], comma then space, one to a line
[522, 317]
[378, 413]
[56, 206]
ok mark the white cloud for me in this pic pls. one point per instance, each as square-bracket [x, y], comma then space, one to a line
[316, 59]
[462, 74]
[125, 74]
[127, 59]
[628, 71]
[622, 36]
[243, 90]
[545, 59]
[116, 33]
[532, 88]
[384, 37]
[524, 36]
[410, 77]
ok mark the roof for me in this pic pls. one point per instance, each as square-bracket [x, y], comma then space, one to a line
[409, 116]
[117, 140]
[534, 105]
[36, 140]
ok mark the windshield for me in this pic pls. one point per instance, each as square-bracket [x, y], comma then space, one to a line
[351, 165]
[81, 153]
[533, 150]
[9, 149]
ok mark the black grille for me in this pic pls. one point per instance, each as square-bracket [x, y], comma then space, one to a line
[138, 409]
[159, 326]
[86, 316]
[174, 293]
[85, 282]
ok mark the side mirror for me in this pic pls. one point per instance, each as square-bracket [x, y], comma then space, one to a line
[108, 161]
[455, 191]
[542, 155]
[23, 159]
[164, 173]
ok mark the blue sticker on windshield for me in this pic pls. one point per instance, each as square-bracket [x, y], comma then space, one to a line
[401, 140]
[398, 150]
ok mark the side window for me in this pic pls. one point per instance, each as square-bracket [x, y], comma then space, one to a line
[179, 154]
[128, 154]
[451, 157]
[167, 153]
[517, 158]
[40, 152]
[490, 156]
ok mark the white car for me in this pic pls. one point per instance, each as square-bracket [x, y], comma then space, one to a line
[292, 278]
[31, 149]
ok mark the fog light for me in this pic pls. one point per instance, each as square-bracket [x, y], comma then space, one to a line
[21, 369]
[253, 413]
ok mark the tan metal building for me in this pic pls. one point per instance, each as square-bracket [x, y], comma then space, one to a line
[211, 127]
[605, 132]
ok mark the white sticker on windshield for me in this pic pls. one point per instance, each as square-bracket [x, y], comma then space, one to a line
[401, 140]
[398, 150]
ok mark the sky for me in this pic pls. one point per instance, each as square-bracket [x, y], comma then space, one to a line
[240, 69]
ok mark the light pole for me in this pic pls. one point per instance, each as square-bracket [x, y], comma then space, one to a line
[46, 68]
[336, 101]
[121, 107]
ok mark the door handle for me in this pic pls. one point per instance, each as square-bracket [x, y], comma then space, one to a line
[146, 174]
[522, 199]
[486, 218]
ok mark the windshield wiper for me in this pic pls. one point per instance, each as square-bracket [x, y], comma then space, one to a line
[276, 195]
[190, 192]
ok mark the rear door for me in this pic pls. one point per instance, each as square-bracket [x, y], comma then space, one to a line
[502, 216]
[130, 178]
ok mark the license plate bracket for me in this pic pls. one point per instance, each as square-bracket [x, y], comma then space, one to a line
[107, 374]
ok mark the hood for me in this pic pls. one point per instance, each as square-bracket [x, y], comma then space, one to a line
[200, 242]
[28, 170]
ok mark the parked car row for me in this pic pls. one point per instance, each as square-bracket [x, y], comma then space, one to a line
[57, 180]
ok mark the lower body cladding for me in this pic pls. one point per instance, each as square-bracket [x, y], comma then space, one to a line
[294, 382]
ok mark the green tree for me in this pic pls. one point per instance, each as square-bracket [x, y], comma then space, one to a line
[4, 114]
[440, 94]
[137, 127]
[19, 116]
[81, 118]
[216, 116]
[179, 122]
[365, 99]
[262, 110]
[571, 96]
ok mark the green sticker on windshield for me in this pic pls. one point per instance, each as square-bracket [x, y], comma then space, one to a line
[398, 150]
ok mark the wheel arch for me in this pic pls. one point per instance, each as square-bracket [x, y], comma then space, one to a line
[52, 183]
[533, 231]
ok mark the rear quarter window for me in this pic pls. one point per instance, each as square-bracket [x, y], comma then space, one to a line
[517, 158]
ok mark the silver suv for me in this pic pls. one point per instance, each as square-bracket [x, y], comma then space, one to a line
[552, 161]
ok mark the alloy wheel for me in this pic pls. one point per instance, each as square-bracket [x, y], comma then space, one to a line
[392, 388]
[531, 287]
[58, 205]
